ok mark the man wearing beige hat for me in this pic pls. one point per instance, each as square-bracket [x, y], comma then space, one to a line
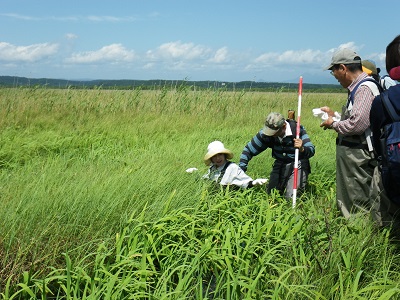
[354, 152]
[280, 135]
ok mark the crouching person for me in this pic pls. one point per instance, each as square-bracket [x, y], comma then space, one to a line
[223, 171]
[280, 135]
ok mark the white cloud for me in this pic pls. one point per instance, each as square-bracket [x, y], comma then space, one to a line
[220, 56]
[179, 50]
[176, 59]
[187, 57]
[31, 53]
[113, 53]
[350, 45]
[291, 57]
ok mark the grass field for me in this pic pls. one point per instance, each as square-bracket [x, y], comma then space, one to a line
[96, 203]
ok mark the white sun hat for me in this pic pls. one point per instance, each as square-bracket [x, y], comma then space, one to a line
[214, 148]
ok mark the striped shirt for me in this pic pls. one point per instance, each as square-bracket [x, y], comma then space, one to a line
[358, 120]
[282, 148]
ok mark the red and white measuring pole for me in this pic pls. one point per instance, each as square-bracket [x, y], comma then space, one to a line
[296, 153]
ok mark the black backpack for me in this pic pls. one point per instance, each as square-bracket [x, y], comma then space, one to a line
[390, 149]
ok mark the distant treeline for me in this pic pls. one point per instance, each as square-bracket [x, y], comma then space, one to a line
[124, 84]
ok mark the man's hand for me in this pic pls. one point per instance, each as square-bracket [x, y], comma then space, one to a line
[327, 124]
[328, 110]
[298, 143]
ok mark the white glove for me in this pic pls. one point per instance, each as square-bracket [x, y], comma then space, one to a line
[260, 181]
[191, 170]
[317, 112]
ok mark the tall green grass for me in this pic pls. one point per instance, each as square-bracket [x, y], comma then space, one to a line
[95, 203]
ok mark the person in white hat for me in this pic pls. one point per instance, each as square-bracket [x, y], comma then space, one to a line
[223, 171]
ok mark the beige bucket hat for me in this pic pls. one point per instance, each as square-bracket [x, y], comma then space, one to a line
[214, 148]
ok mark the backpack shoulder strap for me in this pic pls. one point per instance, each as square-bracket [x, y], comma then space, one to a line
[351, 95]
[389, 108]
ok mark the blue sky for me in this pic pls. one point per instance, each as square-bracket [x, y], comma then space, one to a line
[216, 40]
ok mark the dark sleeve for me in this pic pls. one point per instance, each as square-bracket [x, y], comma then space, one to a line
[309, 148]
[258, 144]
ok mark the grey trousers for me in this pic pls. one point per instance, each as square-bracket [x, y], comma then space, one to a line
[354, 170]
[282, 177]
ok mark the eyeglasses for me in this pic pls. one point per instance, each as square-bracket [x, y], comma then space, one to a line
[335, 68]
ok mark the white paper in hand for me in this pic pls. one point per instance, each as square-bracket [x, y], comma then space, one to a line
[317, 112]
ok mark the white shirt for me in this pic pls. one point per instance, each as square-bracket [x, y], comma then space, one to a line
[233, 175]
[387, 82]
